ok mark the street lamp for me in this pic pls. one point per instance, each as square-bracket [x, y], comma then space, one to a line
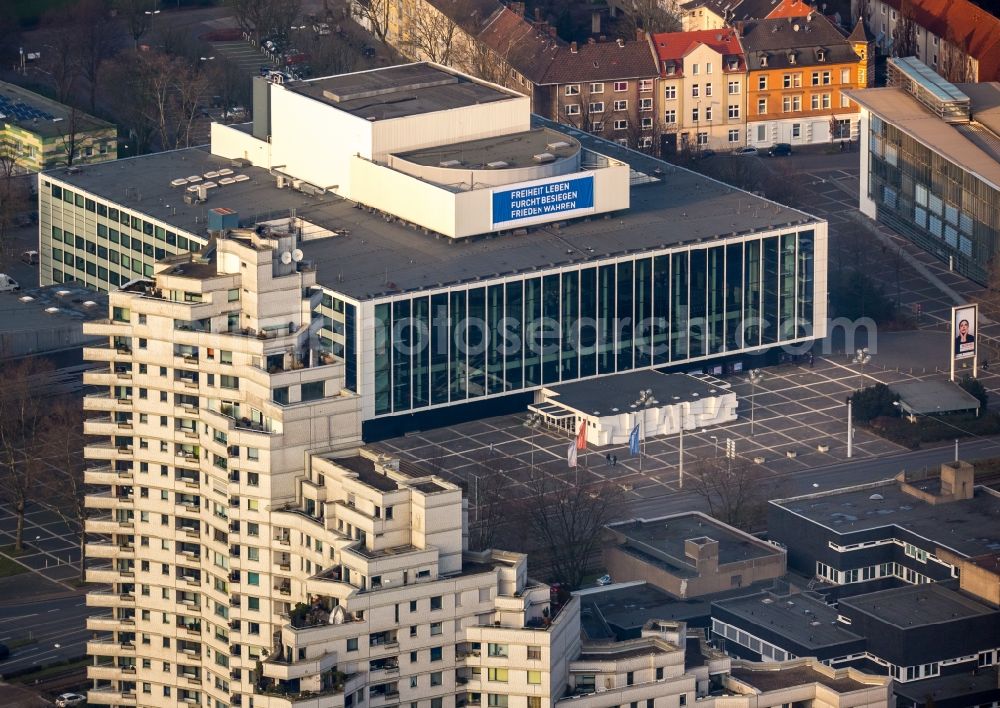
[850, 429]
[861, 357]
[756, 376]
[533, 423]
[644, 402]
[715, 441]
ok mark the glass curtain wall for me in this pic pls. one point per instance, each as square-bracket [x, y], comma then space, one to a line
[648, 311]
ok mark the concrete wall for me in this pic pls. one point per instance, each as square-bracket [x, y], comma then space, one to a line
[229, 142]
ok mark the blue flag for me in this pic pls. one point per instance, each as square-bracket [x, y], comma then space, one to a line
[633, 440]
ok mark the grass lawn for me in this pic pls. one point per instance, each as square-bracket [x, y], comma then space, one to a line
[9, 567]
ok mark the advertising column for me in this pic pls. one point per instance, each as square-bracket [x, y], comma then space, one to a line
[964, 326]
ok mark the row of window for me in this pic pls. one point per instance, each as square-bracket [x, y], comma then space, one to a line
[598, 87]
[573, 109]
[793, 104]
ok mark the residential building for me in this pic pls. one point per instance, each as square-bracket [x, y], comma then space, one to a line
[929, 164]
[798, 71]
[41, 133]
[960, 40]
[689, 555]
[386, 216]
[702, 94]
[698, 15]
[805, 682]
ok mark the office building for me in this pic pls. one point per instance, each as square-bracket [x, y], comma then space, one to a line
[798, 71]
[40, 133]
[493, 218]
[930, 168]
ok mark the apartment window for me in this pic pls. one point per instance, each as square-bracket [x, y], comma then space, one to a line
[761, 106]
[694, 69]
[534, 677]
[352, 644]
[734, 110]
[436, 602]
[495, 700]
[825, 100]
[796, 130]
[646, 142]
[645, 85]
[436, 678]
[413, 605]
[597, 126]
[845, 76]
[435, 628]
[621, 105]
[534, 653]
[597, 88]
[845, 102]
[597, 107]
[695, 115]
[647, 123]
[645, 104]
[621, 125]
[670, 117]
[621, 86]
[670, 93]
[629, 678]
[659, 673]
[815, 102]
[497, 675]
[534, 702]
[708, 89]
[703, 138]
[497, 650]
[436, 653]
[708, 113]
[573, 90]
[695, 90]
[734, 88]
[786, 81]
[762, 83]
[573, 109]
[734, 136]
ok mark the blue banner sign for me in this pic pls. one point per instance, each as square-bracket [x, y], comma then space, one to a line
[534, 202]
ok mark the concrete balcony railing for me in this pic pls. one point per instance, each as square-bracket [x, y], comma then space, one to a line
[105, 672]
[110, 696]
[106, 549]
[102, 353]
[108, 575]
[106, 475]
[107, 525]
[104, 402]
[102, 425]
[106, 500]
[106, 451]
[109, 598]
[108, 647]
[280, 670]
[108, 623]
[104, 328]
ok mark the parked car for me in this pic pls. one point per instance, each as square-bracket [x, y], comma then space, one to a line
[8, 284]
[70, 699]
[740, 152]
[30, 257]
[604, 580]
[780, 150]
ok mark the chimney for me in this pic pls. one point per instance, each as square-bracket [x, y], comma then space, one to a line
[640, 34]
[595, 22]
[573, 48]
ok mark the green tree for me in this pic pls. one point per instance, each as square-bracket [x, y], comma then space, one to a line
[874, 402]
[976, 388]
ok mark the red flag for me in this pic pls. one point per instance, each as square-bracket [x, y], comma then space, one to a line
[581, 437]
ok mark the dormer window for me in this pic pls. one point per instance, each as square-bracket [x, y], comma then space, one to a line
[791, 57]
[821, 55]
[763, 60]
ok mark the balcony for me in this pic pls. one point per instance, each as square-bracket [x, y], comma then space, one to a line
[101, 425]
[276, 667]
[106, 475]
[104, 402]
[330, 694]
[106, 500]
[108, 647]
[108, 623]
[110, 696]
[106, 549]
[101, 353]
[107, 524]
[105, 451]
[109, 598]
[107, 575]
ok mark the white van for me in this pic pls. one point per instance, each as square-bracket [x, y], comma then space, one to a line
[8, 284]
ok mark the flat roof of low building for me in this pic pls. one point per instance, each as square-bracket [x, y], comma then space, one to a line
[917, 605]
[662, 541]
[514, 150]
[972, 149]
[610, 394]
[373, 257]
[791, 676]
[802, 618]
[933, 397]
[49, 307]
[37, 114]
[969, 527]
[397, 91]
[979, 687]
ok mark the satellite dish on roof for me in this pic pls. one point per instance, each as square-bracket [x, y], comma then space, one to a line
[297, 255]
[286, 257]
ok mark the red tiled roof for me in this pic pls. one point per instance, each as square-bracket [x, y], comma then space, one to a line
[963, 24]
[526, 48]
[675, 45]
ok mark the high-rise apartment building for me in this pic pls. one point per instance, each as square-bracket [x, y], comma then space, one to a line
[248, 564]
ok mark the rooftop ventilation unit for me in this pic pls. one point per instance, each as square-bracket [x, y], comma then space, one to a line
[449, 163]
[557, 145]
[497, 165]
[179, 182]
[241, 178]
[544, 157]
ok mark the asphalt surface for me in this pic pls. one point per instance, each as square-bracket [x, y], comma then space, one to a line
[54, 630]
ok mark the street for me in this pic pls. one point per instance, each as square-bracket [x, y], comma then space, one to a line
[51, 630]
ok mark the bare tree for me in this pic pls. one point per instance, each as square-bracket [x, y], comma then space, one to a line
[431, 36]
[138, 17]
[61, 55]
[62, 444]
[70, 140]
[13, 197]
[490, 502]
[22, 420]
[904, 35]
[99, 40]
[956, 65]
[732, 489]
[374, 15]
[569, 520]
[649, 15]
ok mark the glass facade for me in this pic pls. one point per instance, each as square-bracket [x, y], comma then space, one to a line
[648, 310]
[941, 207]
